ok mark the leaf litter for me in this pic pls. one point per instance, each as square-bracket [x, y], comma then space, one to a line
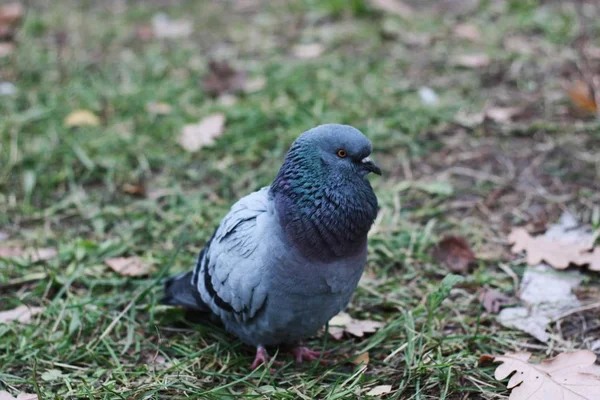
[22, 314]
[21, 396]
[344, 323]
[568, 376]
[223, 78]
[129, 266]
[196, 136]
[455, 254]
[547, 294]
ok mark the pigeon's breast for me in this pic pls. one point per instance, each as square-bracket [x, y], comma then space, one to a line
[303, 294]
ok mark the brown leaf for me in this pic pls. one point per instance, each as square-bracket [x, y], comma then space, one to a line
[81, 118]
[379, 390]
[308, 51]
[396, 7]
[468, 31]
[138, 189]
[568, 376]
[159, 108]
[455, 254]
[144, 32]
[471, 60]
[502, 114]
[6, 49]
[22, 314]
[344, 323]
[195, 136]
[493, 300]
[554, 251]
[223, 78]
[581, 94]
[11, 13]
[166, 28]
[362, 358]
[33, 255]
[128, 266]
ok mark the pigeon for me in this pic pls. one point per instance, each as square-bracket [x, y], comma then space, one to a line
[288, 257]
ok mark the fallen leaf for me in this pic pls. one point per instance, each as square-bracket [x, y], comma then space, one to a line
[455, 254]
[547, 294]
[344, 323]
[11, 13]
[556, 250]
[7, 89]
[81, 118]
[195, 136]
[52, 375]
[518, 44]
[471, 60]
[581, 94]
[144, 32]
[166, 28]
[468, 31]
[6, 49]
[228, 100]
[493, 300]
[502, 114]
[137, 189]
[158, 362]
[159, 108]
[128, 266]
[469, 119]
[255, 84]
[33, 255]
[22, 314]
[362, 358]
[308, 51]
[379, 390]
[396, 7]
[21, 396]
[3, 236]
[223, 78]
[428, 96]
[568, 376]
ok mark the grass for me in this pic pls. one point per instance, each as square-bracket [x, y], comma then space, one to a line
[105, 336]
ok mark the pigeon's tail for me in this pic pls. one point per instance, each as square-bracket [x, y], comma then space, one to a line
[179, 291]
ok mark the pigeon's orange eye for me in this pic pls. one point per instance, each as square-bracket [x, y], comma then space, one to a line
[341, 153]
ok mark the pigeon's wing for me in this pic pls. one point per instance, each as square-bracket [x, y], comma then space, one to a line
[229, 274]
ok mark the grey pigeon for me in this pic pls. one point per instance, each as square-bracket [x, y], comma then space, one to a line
[287, 258]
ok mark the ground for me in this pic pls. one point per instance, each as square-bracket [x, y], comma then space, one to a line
[105, 336]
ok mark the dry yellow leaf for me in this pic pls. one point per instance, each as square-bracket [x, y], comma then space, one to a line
[128, 266]
[568, 376]
[82, 118]
[362, 358]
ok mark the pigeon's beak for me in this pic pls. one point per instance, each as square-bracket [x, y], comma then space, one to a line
[370, 166]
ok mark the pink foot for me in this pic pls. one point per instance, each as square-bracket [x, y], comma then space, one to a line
[262, 358]
[305, 354]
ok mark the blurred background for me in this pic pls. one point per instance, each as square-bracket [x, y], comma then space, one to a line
[129, 127]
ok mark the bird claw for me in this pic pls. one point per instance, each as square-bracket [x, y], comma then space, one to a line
[305, 354]
[263, 358]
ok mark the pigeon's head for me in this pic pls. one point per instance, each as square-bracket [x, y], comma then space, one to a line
[341, 150]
